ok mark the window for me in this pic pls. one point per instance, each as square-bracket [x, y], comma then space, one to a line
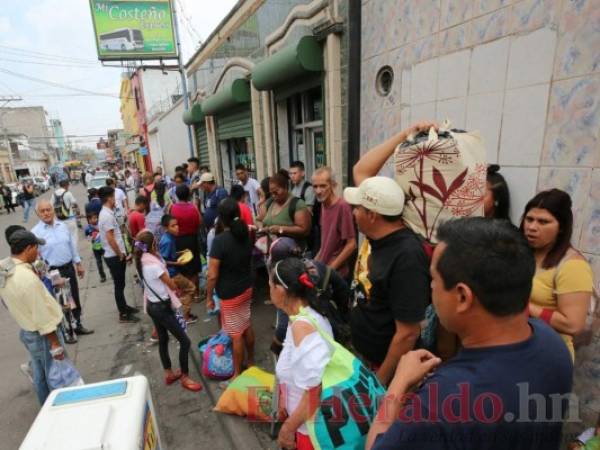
[384, 81]
[307, 139]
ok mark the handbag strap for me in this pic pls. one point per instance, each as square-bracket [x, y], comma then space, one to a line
[305, 315]
[154, 292]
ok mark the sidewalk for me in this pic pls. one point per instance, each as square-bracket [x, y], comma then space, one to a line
[186, 420]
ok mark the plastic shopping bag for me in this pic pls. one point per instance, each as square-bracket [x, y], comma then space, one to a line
[63, 374]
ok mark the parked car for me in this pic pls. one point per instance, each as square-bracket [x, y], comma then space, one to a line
[42, 183]
[97, 182]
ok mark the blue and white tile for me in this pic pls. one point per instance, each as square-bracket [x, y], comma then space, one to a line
[529, 15]
[578, 51]
[573, 125]
[454, 12]
[491, 26]
[590, 237]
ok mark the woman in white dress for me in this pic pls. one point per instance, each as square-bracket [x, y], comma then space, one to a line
[305, 352]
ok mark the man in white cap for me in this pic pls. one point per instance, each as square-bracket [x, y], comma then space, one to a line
[392, 292]
[213, 195]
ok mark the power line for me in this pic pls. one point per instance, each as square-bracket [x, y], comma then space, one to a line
[54, 84]
[79, 66]
[44, 55]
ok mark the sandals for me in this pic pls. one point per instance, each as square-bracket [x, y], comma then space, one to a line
[170, 379]
[189, 384]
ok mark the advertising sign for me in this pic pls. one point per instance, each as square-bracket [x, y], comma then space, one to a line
[133, 29]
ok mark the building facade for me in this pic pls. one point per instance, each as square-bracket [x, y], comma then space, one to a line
[31, 139]
[268, 88]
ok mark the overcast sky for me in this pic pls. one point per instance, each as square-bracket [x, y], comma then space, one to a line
[61, 32]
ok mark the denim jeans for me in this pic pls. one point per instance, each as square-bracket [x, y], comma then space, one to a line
[28, 205]
[41, 361]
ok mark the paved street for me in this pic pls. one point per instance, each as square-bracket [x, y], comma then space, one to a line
[185, 419]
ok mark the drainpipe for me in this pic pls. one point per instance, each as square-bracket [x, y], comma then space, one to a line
[354, 125]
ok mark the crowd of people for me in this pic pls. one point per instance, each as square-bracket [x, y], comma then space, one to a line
[502, 302]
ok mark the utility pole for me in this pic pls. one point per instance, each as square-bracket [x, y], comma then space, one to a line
[6, 100]
[186, 101]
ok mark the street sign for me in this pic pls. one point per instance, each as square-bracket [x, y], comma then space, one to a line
[133, 29]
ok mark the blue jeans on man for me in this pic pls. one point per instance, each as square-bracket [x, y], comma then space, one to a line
[28, 205]
[41, 361]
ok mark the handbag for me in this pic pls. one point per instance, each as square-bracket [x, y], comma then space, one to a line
[350, 395]
[217, 357]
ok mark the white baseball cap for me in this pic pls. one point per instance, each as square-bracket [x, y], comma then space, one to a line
[207, 177]
[379, 194]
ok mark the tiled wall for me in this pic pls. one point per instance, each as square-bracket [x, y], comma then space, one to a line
[526, 74]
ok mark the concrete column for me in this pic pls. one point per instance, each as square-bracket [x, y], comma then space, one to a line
[268, 127]
[333, 103]
[257, 132]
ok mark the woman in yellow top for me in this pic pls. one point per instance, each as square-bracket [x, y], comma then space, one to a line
[562, 285]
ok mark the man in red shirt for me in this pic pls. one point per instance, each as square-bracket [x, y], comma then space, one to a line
[338, 235]
[137, 217]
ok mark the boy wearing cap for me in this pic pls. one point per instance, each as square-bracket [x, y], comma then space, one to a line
[390, 300]
[33, 308]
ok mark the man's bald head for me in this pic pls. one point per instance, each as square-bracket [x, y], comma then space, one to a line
[45, 211]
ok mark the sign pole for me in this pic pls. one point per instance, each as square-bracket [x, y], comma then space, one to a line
[186, 100]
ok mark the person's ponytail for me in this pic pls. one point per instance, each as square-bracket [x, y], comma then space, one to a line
[229, 216]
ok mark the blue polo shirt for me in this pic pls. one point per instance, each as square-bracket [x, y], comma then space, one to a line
[168, 251]
[211, 202]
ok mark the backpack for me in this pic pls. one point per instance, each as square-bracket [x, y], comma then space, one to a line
[217, 357]
[326, 304]
[291, 208]
[60, 209]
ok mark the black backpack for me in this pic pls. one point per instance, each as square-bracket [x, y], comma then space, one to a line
[325, 303]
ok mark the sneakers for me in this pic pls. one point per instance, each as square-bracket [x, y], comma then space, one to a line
[102, 279]
[132, 310]
[128, 318]
[189, 384]
[154, 336]
[27, 371]
[70, 339]
[192, 318]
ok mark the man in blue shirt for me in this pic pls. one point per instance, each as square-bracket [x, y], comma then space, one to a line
[508, 387]
[213, 195]
[60, 252]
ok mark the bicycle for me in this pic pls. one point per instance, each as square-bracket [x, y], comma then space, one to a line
[62, 293]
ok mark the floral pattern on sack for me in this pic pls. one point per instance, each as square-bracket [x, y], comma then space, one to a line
[459, 196]
[465, 200]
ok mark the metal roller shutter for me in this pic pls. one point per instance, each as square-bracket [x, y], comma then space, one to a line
[234, 124]
[202, 144]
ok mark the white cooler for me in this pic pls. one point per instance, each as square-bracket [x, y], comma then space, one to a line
[112, 415]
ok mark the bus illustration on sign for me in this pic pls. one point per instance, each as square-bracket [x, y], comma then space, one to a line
[125, 39]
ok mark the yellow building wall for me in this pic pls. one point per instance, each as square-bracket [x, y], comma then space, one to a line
[128, 108]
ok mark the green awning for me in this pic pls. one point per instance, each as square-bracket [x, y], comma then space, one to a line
[193, 115]
[288, 64]
[234, 94]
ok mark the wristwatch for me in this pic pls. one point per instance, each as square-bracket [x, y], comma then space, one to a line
[280, 231]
